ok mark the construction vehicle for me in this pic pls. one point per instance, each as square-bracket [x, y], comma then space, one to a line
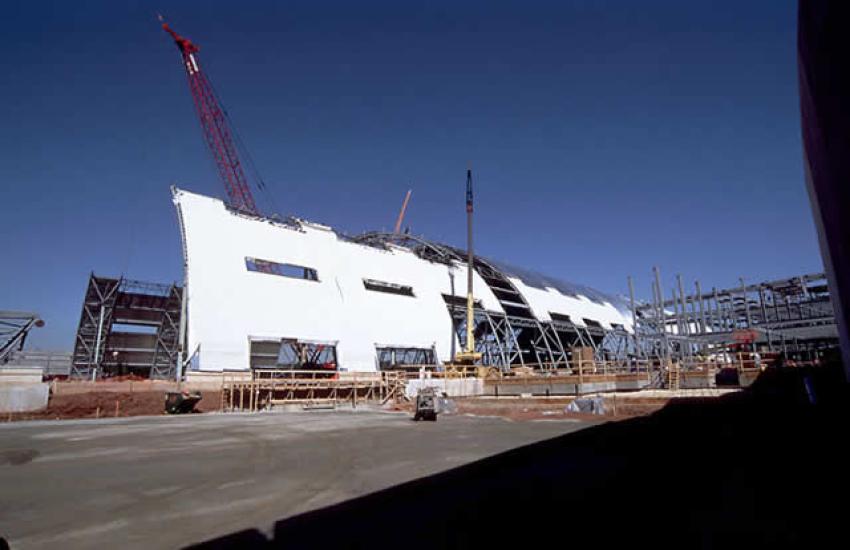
[426, 405]
[181, 402]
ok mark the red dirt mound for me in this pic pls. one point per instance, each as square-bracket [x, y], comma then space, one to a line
[101, 404]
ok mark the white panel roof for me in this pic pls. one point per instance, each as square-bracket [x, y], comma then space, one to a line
[228, 305]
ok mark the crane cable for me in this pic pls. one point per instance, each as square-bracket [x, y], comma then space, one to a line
[259, 182]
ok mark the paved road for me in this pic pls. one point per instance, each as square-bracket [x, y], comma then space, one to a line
[163, 482]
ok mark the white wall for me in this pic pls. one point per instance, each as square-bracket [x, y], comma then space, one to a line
[228, 305]
[544, 302]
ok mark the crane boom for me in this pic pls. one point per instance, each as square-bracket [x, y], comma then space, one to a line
[217, 133]
[401, 213]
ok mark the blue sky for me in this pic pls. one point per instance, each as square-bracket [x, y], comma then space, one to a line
[606, 137]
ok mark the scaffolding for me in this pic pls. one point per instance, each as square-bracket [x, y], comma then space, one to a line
[128, 327]
[266, 388]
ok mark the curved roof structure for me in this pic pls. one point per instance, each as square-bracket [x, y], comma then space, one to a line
[253, 279]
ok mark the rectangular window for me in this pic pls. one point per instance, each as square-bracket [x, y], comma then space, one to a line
[590, 323]
[390, 358]
[291, 354]
[390, 288]
[560, 317]
[284, 270]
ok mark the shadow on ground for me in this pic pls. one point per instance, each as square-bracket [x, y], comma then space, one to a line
[761, 468]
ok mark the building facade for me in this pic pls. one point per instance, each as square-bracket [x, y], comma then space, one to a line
[262, 292]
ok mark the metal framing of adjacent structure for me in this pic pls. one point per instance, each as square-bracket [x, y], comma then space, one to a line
[127, 326]
[14, 328]
[791, 316]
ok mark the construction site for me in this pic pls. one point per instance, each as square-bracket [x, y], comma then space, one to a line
[383, 315]
[302, 342]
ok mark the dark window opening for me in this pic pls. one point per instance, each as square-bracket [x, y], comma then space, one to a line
[459, 301]
[284, 270]
[560, 317]
[617, 326]
[293, 354]
[390, 358]
[389, 288]
[590, 323]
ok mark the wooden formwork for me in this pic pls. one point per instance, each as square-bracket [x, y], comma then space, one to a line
[273, 387]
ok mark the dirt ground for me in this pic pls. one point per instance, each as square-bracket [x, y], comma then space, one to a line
[109, 404]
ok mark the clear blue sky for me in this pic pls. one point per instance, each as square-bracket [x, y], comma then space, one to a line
[606, 137]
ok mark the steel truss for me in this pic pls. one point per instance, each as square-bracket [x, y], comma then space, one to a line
[14, 328]
[127, 326]
[516, 337]
[794, 316]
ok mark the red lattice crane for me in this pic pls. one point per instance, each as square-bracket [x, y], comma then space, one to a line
[214, 123]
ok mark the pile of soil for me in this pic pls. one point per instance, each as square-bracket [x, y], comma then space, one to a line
[105, 404]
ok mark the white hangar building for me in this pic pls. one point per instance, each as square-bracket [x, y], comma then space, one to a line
[262, 292]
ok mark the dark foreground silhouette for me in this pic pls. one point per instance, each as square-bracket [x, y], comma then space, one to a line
[763, 468]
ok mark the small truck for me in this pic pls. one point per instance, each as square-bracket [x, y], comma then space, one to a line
[426, 405]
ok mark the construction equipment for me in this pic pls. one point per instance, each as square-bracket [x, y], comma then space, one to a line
[216, 127]
[426, 405]
[181, 402]
[469, 356]
[401, 213]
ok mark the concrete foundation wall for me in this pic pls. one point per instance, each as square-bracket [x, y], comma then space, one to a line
[694, 381]
[453, 387]
[23, 397]
[565, 387]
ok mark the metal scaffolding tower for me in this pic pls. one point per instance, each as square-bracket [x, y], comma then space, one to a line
[128, 327]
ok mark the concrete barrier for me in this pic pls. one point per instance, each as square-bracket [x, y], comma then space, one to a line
[23, 397]
[21, 375]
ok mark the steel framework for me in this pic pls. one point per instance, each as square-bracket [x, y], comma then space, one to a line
[14, 328]
[128, 326]
[516, 337]
[793, 316]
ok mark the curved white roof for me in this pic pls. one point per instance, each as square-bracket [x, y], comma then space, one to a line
[229, 305]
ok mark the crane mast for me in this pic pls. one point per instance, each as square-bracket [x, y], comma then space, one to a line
[214, 124]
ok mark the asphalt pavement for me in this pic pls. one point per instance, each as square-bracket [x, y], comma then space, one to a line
[165, 482]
